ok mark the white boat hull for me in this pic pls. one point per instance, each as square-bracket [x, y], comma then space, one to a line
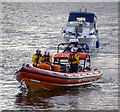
[89, 40]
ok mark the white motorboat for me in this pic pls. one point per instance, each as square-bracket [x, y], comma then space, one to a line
[82, 25]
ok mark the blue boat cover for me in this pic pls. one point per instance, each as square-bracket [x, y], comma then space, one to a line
[89, 17]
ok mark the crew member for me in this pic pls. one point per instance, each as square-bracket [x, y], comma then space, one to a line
[47, 57]
[46, 61]
[37, 58]
[73, 60]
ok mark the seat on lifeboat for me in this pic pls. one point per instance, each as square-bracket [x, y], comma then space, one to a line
[57, 68]
[44, 66]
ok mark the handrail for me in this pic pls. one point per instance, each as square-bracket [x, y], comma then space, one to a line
[82, 45]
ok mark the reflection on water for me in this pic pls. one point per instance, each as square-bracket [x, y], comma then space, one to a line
[32, 99]
[49, 99]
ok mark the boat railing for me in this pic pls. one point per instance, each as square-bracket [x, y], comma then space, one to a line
[83, 47]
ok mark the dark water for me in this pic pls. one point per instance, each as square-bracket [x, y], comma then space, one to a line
[28, 26]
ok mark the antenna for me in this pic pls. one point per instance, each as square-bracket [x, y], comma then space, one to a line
[84, 9]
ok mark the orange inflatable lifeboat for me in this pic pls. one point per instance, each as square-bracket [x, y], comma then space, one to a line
[56, 75]
[39, 79]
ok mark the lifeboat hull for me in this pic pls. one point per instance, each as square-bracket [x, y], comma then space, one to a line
[38, 79]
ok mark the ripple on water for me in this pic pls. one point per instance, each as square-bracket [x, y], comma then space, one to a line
[28, 26]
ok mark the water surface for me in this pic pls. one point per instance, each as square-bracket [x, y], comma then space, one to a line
[28, 26]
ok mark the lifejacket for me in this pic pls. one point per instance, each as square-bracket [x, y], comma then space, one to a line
[46, 58]
[72, 57]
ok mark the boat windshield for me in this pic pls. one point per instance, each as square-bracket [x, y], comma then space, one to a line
[76, 23]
